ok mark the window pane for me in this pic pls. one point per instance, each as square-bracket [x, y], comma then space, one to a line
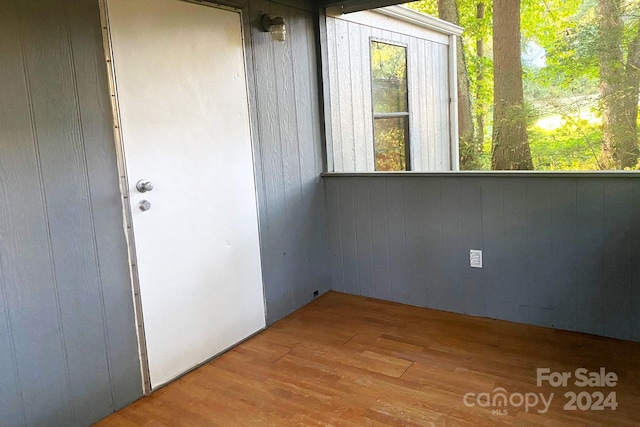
[389, 73]
[390, 144]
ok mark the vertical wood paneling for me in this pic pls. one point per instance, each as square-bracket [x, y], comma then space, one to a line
[397, 240]
[376, 33]
[335, 236]
[295, 246]
[561, 252]
[310, 162]
[286, 129]
[433, 240]
[437, 85]
[294, 255]
[591, 237]
[364, 246]
[415, 287]
[431, 107]
[114, 282]
[635, 289]
[10, 405]
[320, 265]
[33, 298]
[564, 255]
[494, 250]
[472, 280]
[618, 259]
[334, 94]
[423, 109]
[272, 195]
[358, 74]
[317, 223]
[414, 70]
[251, 72]
[16, 159]
[346, 106]
[453, 257]
[443, 110]
[382, 284]
[348, 237]
[540, 302]
[64, 174]
[367, 109]
[64, 280]
[515, 264]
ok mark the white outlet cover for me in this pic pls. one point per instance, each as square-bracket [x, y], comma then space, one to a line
[475, 258]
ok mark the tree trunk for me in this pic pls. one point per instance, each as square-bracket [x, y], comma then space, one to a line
[630, 153]
[480, 78]
[510, 145]
[469, 152]
[618, 89]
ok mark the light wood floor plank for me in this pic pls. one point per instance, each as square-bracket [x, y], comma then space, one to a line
[352, 361]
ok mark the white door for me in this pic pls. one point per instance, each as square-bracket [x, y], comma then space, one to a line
[181, 85]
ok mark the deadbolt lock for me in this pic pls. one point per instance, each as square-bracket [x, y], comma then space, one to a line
[144, 205]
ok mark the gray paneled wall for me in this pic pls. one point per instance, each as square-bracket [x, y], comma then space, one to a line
[289, 161]
[68, 351]
[348, 76]
[562, 252]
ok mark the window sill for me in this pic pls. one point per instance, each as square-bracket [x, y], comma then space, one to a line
[488, 174]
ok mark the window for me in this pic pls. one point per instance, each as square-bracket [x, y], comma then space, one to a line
[389, 92]
[390, 106]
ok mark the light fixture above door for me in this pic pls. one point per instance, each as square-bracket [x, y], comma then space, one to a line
[275, 26]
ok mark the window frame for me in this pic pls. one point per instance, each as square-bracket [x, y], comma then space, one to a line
[394, 115]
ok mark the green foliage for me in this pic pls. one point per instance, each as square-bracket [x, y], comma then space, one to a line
[573, 146]
[470, 154]
[572, 56]
[390, 144]
[566, 83]
[389, 70]
[485, 157]
[388, 61]
[545, 21]
[428, 7]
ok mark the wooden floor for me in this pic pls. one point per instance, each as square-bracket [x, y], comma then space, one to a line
[352, 361]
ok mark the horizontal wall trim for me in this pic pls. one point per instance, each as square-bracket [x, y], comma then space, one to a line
[486, 174]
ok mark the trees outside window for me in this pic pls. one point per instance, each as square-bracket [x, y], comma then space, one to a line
[510, 143]
[580, 70]
[390, 106]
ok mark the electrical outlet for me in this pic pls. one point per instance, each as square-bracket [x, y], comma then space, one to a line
[475, 258]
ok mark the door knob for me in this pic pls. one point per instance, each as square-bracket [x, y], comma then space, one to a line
[144, 205]
[144, 186]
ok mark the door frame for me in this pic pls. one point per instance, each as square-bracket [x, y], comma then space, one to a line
[123, 179]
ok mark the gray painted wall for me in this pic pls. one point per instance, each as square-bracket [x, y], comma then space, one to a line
[68, 350]
[558, 251]
[348, 76]
[288, 153]
[562, 252]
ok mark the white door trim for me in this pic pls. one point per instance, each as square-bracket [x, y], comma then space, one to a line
[124, 192]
